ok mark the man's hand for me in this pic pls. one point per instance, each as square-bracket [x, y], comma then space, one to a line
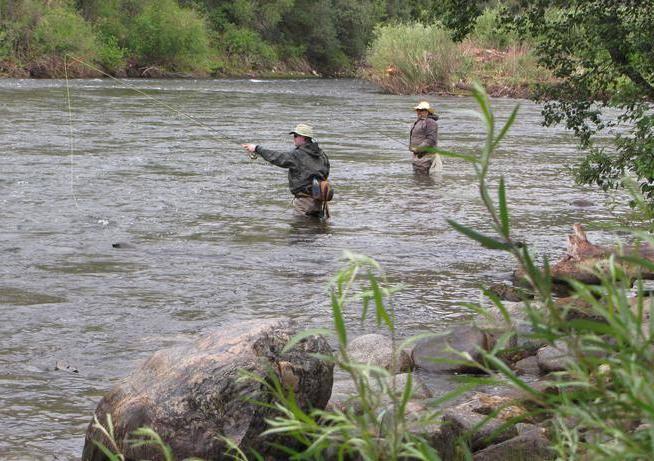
[249, 147]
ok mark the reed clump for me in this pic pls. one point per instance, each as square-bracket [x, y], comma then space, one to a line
[413, 58]
[416, 58]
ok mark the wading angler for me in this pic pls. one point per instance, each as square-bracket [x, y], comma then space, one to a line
[308, 170]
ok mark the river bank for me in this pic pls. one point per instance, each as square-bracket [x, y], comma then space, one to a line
[58, 68]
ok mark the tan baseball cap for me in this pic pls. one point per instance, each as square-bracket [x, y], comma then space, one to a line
[303, 130]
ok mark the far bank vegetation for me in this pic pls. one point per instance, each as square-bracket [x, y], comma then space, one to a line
[396, 47]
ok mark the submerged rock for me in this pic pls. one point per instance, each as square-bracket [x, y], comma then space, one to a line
[191, 395]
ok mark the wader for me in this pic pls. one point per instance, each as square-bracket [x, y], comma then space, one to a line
[306, 205]
[425, 164]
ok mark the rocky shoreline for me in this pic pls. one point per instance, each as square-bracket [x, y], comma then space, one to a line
[195, 395]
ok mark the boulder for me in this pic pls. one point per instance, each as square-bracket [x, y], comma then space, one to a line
[530, 446]
[191, 395]
[436, 354]
[377, 350]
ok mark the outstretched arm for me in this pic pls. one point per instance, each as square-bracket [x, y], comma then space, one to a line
[280, 159]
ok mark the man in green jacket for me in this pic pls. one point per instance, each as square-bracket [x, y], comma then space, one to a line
[305, 163]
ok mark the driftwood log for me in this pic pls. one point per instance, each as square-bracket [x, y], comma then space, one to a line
[584, 261]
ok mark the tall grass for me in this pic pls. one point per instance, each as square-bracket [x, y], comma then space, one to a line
[414, 58]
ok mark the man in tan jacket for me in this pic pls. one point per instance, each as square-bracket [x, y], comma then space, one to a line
[424, 133]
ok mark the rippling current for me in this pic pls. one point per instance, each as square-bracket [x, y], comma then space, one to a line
[207, 236]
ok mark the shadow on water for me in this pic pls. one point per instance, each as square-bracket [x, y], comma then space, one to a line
[304, 229]
[424, 180]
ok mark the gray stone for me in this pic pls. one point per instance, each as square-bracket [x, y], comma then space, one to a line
[527, 366]
[530, 446]
[553, 358]
[470, 421]
[191, 395]
[377, 350]
[433, 354]
[344, 392]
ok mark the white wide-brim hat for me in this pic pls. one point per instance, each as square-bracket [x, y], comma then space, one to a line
[424, 105]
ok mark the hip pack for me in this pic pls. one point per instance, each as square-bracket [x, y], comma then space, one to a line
[322, 190]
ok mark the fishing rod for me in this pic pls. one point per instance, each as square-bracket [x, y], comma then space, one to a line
[215, 132]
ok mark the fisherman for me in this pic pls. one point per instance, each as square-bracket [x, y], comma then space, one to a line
[308, 170]
[424, 134]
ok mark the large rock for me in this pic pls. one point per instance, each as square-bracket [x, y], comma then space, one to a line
[531, 446]
[191, 395]
[377, 350]
[439, 353]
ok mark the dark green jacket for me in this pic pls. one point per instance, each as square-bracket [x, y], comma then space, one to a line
[304, 163]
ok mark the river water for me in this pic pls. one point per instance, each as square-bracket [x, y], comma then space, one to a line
[207, 236]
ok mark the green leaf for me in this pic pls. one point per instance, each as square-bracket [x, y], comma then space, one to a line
[504, 212]
[506, 127]
[590, 325]
[479, 93]
[486, 242]
[447, 153]
[339, 321]
[406, 394]
[498, 303]
[380, 311]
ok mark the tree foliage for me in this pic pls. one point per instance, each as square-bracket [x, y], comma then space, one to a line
[602, 52]
[331, 36]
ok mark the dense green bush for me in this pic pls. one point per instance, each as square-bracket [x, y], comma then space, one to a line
[246, 47]
[62, 30]
[167, 35]
[110, 55]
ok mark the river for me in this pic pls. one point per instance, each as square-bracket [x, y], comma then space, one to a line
[207, 236]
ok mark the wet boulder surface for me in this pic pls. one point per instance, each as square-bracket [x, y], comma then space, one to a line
[194, 395]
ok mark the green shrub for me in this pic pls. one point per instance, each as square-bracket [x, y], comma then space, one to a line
[110, 55]
[60, 31]
[167, 35]
[247, 48]
[414, 58]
